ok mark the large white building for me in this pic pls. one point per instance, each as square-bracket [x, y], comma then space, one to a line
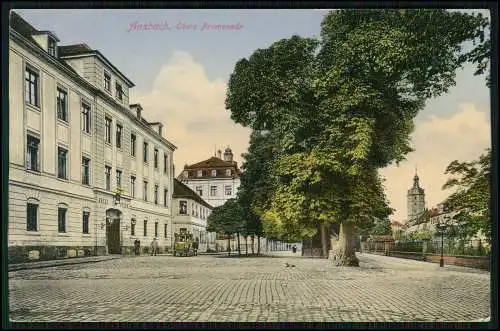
[87, 173]
[216, 180]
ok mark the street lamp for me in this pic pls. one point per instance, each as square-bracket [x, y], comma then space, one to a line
[441, 226]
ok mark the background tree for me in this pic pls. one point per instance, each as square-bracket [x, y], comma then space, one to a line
[472, 181]
[340, 112]
[227, 219]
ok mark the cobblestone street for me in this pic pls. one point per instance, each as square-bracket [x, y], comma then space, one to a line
[220, 289]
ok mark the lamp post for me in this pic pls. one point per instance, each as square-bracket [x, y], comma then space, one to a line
[441, 226]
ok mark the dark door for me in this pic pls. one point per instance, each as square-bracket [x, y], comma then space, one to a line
[113, 236]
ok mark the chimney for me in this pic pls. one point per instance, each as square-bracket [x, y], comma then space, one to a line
[219, 154]
[160, 129]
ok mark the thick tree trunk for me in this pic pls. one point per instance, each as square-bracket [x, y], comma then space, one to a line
[239, 249]
[258, 245]
[345, 254]
[324, 239]
[253, 244]
[229, 245]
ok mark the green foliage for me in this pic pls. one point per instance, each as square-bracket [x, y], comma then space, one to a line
[227, 219]
[472, 196]
[336, 110]
[382, 227]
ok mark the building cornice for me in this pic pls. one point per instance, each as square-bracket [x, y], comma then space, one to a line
[41, 54]
[51, 190]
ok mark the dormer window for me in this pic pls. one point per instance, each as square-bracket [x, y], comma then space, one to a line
[107, 82]
[200, 173]
[214, 173]
[51, 48]
[186, 174]
[119, 91]
[228, 172]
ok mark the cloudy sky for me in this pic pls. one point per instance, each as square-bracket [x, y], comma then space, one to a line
[181, 75]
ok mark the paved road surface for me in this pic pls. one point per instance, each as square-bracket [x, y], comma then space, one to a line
[220, 289]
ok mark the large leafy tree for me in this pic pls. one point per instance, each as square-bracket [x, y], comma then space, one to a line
[472, 196]
[340, 109]
[227, 219]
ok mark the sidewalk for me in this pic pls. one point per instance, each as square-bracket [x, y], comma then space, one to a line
[53, 263]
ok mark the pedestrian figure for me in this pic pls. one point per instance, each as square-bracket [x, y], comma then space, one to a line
[154, 247]
[136, 247]
[195, 247]
[294, 248]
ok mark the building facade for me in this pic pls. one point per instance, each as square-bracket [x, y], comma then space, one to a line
[191, 213]
[216, 180]
[88, 175]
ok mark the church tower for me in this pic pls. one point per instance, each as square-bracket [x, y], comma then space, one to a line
[415, 199]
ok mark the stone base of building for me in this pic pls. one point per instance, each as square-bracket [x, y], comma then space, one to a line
[22, 254]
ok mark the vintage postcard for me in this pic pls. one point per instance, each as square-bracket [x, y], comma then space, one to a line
[228, 165]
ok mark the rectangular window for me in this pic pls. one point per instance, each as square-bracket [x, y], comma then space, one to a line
[61, 220]
[145, 192]
[132, 228]
[51, 49]
[165, 230]
[33, 156]
[165, 197]
[156, 158]
[199, 190]
[132, 144]
[62, 155]
[132, 186]
[32, 86]
[183, 207]
[145, 152]
[145, 232]
[199, 173]
[213, 191]
[119, 130]
[118, 178]
[119, 91]
[85, 220]
[107, 82]
[108, 130]
[228, 190]
[32, 217]
[85, 171]
[156, 194]
[228, 172]
[156, 229]
[165, 163]
[85, 117]
[62, 104]
[108, 177]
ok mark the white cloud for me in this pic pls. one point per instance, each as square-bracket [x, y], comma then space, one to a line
[191, 107]
[437, 142]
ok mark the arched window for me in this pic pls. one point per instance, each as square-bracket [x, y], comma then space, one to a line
[214, 173]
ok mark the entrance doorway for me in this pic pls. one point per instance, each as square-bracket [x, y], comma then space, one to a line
[113, 217]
